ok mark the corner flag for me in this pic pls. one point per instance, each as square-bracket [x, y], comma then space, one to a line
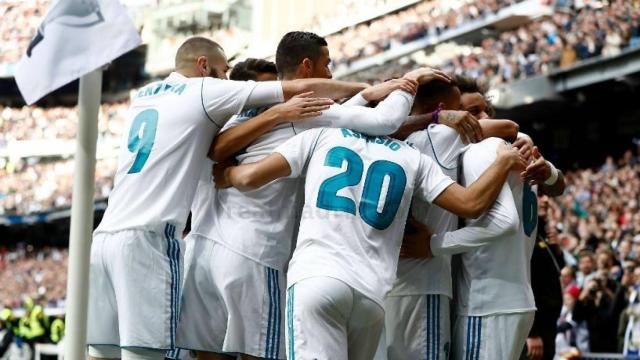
[75, 37]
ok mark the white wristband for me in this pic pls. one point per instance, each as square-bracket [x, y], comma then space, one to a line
[554, 175]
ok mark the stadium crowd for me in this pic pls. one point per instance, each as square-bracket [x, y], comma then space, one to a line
[597, 225]
[566, 38]
[426, 19]
[57, 123]
[28, 188]
[38, 274]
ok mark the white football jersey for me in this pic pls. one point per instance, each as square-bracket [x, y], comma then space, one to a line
[494, 276]
[358, 189]
[259, 224]
[171, 125]
[433, 276]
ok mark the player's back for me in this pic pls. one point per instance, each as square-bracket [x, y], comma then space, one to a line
[160, 156]
[358, 189]
[495, 278]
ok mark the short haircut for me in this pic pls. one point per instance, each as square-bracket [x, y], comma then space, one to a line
[194, 47]
[251, 68]
[469, 85]
[431, 93]
[294, 47]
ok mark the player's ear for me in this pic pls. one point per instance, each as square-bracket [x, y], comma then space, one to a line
[203, 66]
[307, 65]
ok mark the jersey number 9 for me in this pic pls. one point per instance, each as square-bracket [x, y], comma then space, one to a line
[328, 198]
[141, 137]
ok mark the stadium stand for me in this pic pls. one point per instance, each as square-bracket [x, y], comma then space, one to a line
[422, 20]
[566, 38]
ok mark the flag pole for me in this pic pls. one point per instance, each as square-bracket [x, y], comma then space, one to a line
[82, 216]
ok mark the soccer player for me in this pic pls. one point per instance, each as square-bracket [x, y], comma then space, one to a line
[495, 304]
[254, 69]
[246, 238]
[136, 257]
[417, 319]
[357, 192]
[550, 182]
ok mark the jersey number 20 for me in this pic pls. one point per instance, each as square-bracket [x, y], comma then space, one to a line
[328, 198]
[141, 137]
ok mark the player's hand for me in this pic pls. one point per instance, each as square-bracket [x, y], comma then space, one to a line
[426, 74]
[535, 348]
[380, 91]
[464, 123]
[538, 171]
[417, 241]
[219, 173]
[525, 145]
[300, 107]
[509, 153]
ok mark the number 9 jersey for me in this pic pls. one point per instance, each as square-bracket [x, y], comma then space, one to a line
[358, 190]
[171, 125]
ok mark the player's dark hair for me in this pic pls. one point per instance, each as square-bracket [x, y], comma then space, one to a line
[430, 94]
[469, 85]
[294, 47]
[251, 68]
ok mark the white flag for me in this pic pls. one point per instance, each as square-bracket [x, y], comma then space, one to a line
[75, 38]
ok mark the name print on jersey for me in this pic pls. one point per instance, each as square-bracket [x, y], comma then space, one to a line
[382, 140]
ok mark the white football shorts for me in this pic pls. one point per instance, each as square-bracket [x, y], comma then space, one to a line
[231, 303]
[135, 289]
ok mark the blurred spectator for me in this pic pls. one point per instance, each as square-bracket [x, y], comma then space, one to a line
[20, 19]
[40, 274]
[36, 123]
[45, 186]
[539, 47]
[428, 18]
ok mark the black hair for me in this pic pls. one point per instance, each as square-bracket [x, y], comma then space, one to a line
[251, 68]
[469, 85]
[294, 47]
[429, 95]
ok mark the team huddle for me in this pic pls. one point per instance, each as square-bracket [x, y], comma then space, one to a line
[320, 228]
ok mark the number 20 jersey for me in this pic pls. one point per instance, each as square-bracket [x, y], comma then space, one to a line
[358, 191]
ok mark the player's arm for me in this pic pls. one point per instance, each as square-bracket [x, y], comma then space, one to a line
[380, 92]
[287, 160]
[540, 171]
[473, 201]
[231, 141]
[500, 221]
[384, 119]
[332, 89]
[254, 175]
[504, 129]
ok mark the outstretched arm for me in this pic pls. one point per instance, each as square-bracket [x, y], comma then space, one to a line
[501, 220]
[332, 89]
[252, 176]
[231, 141]
[473, 201]
[288, 160]
[504, 129]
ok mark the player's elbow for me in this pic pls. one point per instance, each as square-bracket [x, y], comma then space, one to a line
[247, 180]
[386, 126]
[220, 152]
[512, 130]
